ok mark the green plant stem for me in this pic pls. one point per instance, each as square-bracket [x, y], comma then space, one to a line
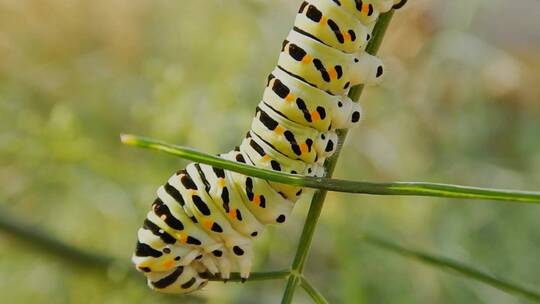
[346, 186]
[35, 236]
[254, 276]
[447, 264]
[318, 199]
[315, 295]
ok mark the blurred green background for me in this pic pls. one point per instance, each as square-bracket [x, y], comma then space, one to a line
[460, 104]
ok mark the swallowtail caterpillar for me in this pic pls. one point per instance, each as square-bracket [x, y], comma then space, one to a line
[205, 219]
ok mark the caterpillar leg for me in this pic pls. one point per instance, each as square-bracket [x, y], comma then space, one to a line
[349, 114]
[366, 69]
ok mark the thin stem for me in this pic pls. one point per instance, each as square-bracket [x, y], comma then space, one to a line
[338, 185]
[318, 199]
[447, 264]
[315, 295]
[254, 276]
[35, 236]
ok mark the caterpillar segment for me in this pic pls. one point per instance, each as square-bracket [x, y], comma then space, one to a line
[309, 106]
[293, 140]
[327, 68]
[336, 28]
[261, 155]
[267, 205]
[205, 219]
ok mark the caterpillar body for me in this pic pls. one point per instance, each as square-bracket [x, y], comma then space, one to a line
[205, 219]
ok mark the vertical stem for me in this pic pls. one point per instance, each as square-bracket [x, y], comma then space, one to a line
[317, 202]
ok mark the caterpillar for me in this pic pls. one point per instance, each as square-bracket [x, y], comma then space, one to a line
[205, 219]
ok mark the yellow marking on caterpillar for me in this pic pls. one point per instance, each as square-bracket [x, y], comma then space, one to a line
[323, 20]
[315, 116]
[181, 237]
[290, 96]
[304, 148]
[191, 192]
[168, 263]
[279, 130]
[208, 224]
[221, 182]
[307, 59]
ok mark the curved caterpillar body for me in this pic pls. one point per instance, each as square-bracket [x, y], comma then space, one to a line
[205, 219]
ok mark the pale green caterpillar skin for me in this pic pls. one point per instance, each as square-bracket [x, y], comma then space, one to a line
[204, 219]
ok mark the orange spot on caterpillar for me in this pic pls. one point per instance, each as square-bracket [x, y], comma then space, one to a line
[346, 36]
[290, 96]
[266, 157]
[304, 148]
[307, 59]
[208, 224]
[323, 20]
[365, 8]
[181, 237]
[332, 73]
[315, 116]
[279, 130]
[168, 263]
[221, 182]
[256, 200]
[232, 214]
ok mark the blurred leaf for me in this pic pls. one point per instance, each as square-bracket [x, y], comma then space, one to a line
[447, 264]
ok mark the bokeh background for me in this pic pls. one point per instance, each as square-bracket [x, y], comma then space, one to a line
[460, 104]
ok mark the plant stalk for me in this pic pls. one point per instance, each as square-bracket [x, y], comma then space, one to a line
[338, 185]
[318, 199]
